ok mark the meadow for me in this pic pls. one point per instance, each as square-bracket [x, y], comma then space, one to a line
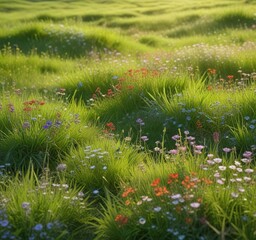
[128, 119]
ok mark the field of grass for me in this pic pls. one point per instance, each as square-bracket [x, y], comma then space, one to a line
[128, 119]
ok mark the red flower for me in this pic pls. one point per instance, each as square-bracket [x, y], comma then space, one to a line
[155, 182]
[110, 126]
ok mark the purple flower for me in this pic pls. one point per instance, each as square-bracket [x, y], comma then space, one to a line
[176, 137]
[140, 122]
[26, 125]
[199, 147]
[247, 154]
[48, 124]
[144, 138]
[173, 151]
[227, 150]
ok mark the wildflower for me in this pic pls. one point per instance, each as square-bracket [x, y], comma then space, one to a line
[80, 194]
[140, 122]
[195, 205]
[247, 154]
[61, 167]
[38, 227]
[234, 194]
[128, 191]
[144, 138]
[25, 205]
[247, 179]
[176, 196]
[159, 191]
[217, 160]
[222, 168]
[157, 209]
[226, 150]
[155, 182]
[110, 126]
[233, 167]
[176, 137]
[246, 160]
[173, 151]
[249, 170]
[142, 221]
[49, 225]
[220, 181]
[48, 124]
[96, 191]
[4, 223]
[121, 219]
[230, 77]
[199, 147]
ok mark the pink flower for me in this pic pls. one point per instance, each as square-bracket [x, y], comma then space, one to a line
[227, 150]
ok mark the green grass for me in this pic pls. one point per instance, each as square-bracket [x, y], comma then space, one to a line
[127, 119]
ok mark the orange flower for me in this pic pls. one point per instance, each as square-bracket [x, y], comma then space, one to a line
[127, 192]
[121, 219]
[173, 177]
[155, 182]
[159, 191]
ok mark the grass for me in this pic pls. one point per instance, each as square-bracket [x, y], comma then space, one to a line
[127, 120]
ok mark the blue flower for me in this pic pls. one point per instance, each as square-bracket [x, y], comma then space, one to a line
[38, 227]
[48, 124]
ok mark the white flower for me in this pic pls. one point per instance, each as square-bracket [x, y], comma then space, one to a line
[157, 209]
[195, 205]
[249, 170]
[96, 191]
[219, 181]
[217, 160]
[234, 194]
[233, 167]
[142, 220]
[61, 167]
[222, 168]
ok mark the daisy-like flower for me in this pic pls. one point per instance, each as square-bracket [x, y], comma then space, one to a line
[142, 221]
[222, 168]
[226, 150]
[246, 160]
[157, 209]
[249, 170]
[217, 160]
[195, 204]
